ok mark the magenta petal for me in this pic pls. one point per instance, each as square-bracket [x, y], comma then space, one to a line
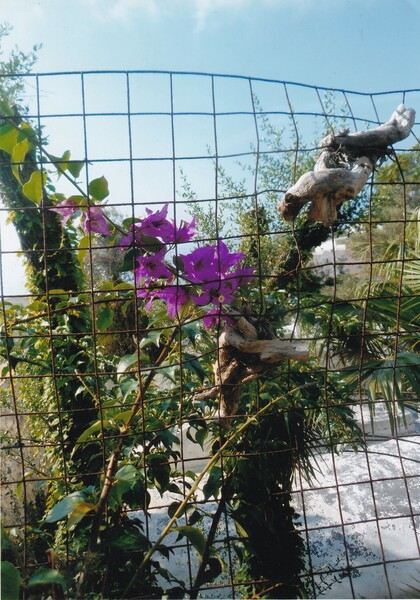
[153, 266]
[65, 210]
[175, 297]
[199, 264]
[185, 233]
[157, 225]
[95, 222]
[225, 259]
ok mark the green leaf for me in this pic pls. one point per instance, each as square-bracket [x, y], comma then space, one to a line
[104, 318]
[78, 199]
[213, 483]
[159, 471]
[19, 490]
[60, 162]
[83, 437]
[127, 361]
[98, 188]
[74, 167]
[83, 248]
[191, 330]
[213, 569]
[129, 260]
[170, 373]
[80, 511]
[129, 539]
[18, 156]
[8, 138]
[58, 292]
[150, 243]
[126, 473]
[201, 436]
[195, 537]
[127, 386]
[172, 508]
[10, 581]
[45, 576]
[33, 189]
[123, 416]
[153, 337]
[192, 364]
[19, 485]
[5, 544]
[64, 507]
[195, 517]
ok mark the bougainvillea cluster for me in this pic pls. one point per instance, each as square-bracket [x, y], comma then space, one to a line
[207, 276]
[92, 218]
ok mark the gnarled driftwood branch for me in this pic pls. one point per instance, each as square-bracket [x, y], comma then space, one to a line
[242, 357]
[343, 167]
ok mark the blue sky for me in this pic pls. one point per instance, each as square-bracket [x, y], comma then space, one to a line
[361, 45]
[364, 45]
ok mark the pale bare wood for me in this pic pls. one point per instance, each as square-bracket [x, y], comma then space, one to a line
[343, 168]
[241, 358]
[395, 130]
[326, 189]
[269, 351]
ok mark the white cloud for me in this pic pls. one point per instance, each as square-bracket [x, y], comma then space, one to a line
[201, 10]
[122, 9]
[204, 8]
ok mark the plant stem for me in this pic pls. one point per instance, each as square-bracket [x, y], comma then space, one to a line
[210, 538]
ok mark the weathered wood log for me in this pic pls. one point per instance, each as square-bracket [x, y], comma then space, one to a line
[242, 357]
[326, 189]
[268, 351]
[395, 130]
[343, 168]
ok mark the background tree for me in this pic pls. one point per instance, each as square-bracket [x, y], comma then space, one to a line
[15, 64]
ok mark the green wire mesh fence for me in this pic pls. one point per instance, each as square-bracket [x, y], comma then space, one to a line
[157, 436]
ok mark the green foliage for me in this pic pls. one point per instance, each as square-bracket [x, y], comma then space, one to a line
[98, 188]
[10, 580]
[46, 577]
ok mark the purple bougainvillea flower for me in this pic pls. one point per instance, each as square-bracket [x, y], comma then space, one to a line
[185, 233]
[204, 263]
[93, 221]
[224, 259]
[152, 267]
[199, 264]
[132, 238]
[213, 273]
[149, 295]
[240, 277]
[215, 292]
[175, 297]
[157, 225]
[65, 210]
